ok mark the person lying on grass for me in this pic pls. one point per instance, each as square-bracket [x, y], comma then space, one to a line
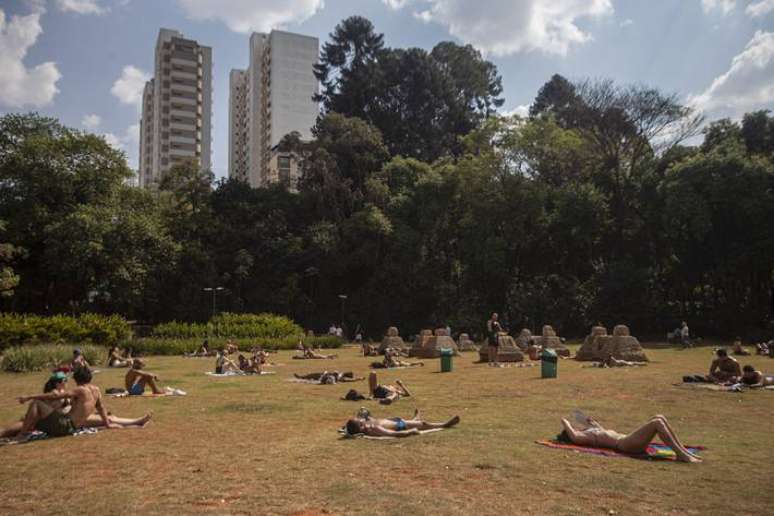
[115, 359]
[753, 378]
[611, 361]
[330, 377]
[635, 442]
[249, 366]
[369, 350]
[85, 399]
[386, 394]
[223, 364]
[392, 359]
[392, 427]
[308, 353]
[724, 369]
[136, 379]
[203, 351]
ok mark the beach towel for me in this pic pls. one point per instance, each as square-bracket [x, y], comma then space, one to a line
[237, 373]
[655, 451]
[737, 387]
[344, 435]
[35, 435]
[168, 391]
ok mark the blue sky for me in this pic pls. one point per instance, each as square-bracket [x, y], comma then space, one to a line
[84, 61]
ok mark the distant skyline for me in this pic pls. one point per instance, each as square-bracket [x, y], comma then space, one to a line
[86, 61]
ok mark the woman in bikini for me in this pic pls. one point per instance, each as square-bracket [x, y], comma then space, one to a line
[635, 442]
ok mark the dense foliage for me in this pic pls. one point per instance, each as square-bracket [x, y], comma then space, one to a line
[26, 359]
[421, 205]
[239, 326]
[166, 346]
[18, 329]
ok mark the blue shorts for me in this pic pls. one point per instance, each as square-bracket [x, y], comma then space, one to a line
[400, 424]
[136, 390]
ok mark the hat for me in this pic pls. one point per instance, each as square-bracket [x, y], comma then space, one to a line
[57, 377]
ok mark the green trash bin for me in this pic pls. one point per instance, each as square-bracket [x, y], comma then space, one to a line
[549, 362]
[446, 360]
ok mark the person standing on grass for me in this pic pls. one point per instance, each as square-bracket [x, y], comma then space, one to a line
[685, 335]
[493, 329]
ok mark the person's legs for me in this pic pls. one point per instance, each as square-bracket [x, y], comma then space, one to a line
[372, 383]
[36, 411]
[402, 388]
[11, 430]
[424, 425]
[153, 386]
[672, 433]
[492, 354]
[638, 441]
[94, 421]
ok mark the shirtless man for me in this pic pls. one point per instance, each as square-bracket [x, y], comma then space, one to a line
[308, 353]
[753, 378]
[724, 369]
[394, 426]
[223, 364]
[116, 360]
[86, 399]
[386, 394]
[249, 366]
[136, 379]
[330, 377]
[392, 359]
[635, 442]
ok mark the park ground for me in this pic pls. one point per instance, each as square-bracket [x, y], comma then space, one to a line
[255, 445]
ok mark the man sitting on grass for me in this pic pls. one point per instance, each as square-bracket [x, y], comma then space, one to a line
[223, 364]
[635, 442]
[392, 359]
[136, 379]
[724, 369]
[330, 377]
[394, 426]
[85, 399]
[386, 394]
[753, 378]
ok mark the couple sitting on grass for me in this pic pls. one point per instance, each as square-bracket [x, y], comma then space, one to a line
[223, 364]
[59, 411]
[725, 370]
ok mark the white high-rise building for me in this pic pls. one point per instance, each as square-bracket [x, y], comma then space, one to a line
[176, 107]
[270, 99]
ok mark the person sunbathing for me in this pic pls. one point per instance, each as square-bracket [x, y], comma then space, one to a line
[309, 354]
[635, 442]
[392, 359]
[394, 426]
[724, 369]
[136, 379]
[386, 394]
[753, 378]
[330, 377]
[231, 347]
[86, 399]
[614, 362]
[115, 359]
[738, 349]
[57, 382]
[249, 366]
[762, 348]
[369, 350]
[223, 364]
[203, 351]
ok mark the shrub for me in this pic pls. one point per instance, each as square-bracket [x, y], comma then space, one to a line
[157, 346]
[20, 329]
[228, 325]
[25, 359]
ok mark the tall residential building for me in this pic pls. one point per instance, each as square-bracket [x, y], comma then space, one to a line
[270, 99]
[176, 107]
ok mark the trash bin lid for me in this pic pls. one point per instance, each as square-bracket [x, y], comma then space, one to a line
[548, 353]
[447, 352]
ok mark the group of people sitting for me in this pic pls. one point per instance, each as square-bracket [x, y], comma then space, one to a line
[60, 411]
[726, 370]
[253, 365]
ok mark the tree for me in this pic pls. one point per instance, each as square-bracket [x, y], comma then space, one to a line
[8, 279]
[558, 98]
[758, 132]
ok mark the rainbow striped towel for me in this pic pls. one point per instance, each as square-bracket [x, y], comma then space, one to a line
[655, 451]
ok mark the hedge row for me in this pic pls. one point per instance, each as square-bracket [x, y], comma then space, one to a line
[20, 329]
[25, 359]
[157, 346]
[228, 325]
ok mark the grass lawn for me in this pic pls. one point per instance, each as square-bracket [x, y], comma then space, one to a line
[264, 445]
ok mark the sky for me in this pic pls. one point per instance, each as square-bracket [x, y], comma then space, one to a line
[85, 61]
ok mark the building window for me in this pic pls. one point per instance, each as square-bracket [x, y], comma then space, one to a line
[283, 166]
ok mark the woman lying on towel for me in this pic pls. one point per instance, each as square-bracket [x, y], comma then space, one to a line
[330, 377]
[635, 442]
[392, 427]
[753, 378]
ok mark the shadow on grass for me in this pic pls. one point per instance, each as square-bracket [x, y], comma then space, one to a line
[251, 408]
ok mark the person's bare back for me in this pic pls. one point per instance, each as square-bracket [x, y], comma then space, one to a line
[85, 400]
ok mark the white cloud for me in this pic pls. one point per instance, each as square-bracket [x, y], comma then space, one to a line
[19, 85]
[396, 4]
[626, 22]
[724, 6]
[746, 86]
[81, 6]
[760, 8]
[252, 15]
[91, 122]
[128, 142]
[503, 27]
[128, 88]
[521, 110]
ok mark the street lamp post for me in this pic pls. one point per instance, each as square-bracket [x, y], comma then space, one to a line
[214, 291]
[343, 298]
